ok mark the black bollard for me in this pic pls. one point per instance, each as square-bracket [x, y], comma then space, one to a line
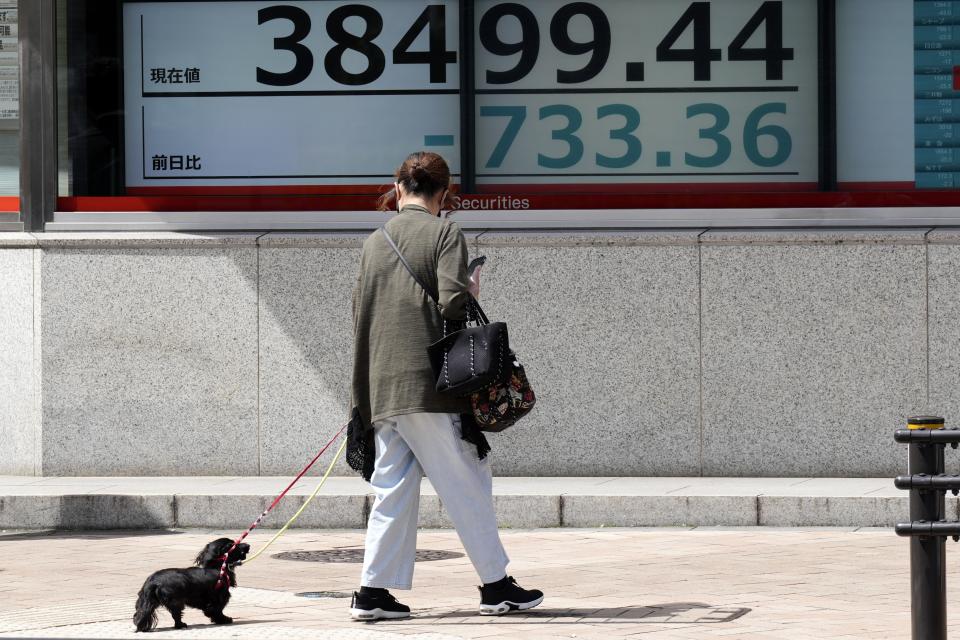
[928, 569]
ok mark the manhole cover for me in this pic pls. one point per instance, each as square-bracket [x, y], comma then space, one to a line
[325, 594]
[356, 555]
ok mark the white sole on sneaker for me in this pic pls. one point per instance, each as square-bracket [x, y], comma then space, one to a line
[507, 606]
[366, 615]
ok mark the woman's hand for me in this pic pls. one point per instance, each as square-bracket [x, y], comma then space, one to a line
[473, 285]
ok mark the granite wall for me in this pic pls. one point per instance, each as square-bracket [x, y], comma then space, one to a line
[149, 355]
[19, 426]
[697, 352]
[814, 348]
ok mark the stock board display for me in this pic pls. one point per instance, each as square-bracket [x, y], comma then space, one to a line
[327, 96]
[302, 93]
[647, 92]
[937, 94]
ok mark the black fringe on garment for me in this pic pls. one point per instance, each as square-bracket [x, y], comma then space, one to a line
[470, 432]
[361, 451]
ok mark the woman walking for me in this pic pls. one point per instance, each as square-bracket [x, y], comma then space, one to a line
[415, 430]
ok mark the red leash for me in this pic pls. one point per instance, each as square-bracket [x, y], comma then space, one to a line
[256, 523]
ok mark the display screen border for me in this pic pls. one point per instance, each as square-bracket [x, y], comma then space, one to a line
[830, 194]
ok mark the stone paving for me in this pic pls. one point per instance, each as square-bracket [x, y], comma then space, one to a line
[757, 583]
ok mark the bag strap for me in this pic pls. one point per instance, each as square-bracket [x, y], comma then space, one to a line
[479, 317]
[393, 245]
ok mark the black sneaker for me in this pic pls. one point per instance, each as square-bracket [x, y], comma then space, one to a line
[376, 607]
[506, 595]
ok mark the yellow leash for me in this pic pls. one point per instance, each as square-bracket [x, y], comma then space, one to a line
[304, 506]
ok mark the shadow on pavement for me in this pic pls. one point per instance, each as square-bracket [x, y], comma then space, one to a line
[669, 613]
[209, 625]
[86, 535]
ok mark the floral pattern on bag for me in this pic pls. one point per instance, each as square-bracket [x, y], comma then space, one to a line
[501, 404]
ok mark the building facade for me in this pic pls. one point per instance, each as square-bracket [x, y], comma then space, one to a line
[724, 233]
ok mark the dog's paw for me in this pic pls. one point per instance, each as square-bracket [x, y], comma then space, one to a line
[223, 620]
[180, 625]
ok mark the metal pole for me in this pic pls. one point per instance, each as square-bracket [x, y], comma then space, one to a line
[38, 112]
[468, 96]
[928, 571]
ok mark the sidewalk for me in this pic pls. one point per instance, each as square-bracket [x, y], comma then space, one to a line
[233, 502]
[750, 583]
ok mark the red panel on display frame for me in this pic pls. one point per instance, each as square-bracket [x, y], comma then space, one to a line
[536, 201]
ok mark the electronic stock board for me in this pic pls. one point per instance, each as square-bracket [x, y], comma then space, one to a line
[609, 95]
[937, 94]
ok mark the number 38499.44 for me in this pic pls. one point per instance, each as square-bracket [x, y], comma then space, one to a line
[437, 56]
[772, 155]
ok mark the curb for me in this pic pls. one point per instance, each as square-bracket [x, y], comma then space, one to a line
[217, 511]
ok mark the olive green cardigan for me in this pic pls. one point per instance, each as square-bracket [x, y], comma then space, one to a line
[394, 319]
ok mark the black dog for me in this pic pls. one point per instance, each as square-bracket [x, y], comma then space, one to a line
[194, 587]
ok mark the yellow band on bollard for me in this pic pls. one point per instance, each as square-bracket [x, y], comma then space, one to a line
[915, 426]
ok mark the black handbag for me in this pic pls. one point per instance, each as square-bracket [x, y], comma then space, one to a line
[472, 358]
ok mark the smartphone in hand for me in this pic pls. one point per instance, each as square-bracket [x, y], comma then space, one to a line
[475, 264]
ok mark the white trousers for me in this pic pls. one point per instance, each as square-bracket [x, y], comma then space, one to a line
[409, 446]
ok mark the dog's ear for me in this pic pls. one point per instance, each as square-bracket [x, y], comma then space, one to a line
[203, 557]
[213, 552]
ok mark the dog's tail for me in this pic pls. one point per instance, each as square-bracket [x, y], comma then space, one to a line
[145, 618]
